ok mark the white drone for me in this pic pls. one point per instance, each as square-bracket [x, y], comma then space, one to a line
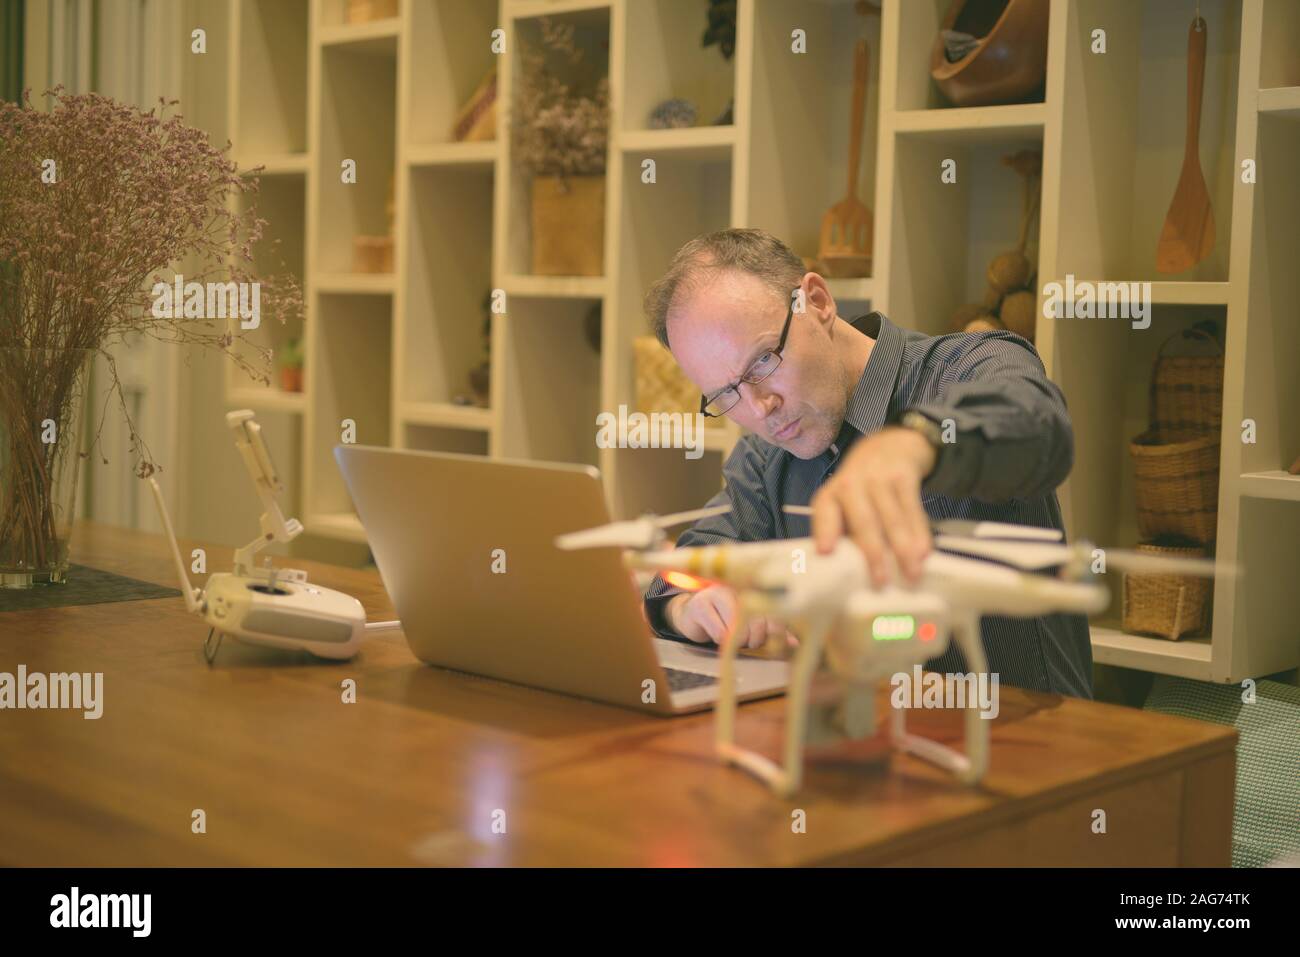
[859, 635]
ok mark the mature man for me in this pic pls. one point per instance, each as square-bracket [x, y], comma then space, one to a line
[850, 415]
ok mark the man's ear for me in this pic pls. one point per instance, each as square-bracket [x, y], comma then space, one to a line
[819, 302]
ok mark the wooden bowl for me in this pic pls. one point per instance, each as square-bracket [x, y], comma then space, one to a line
[1010, 63]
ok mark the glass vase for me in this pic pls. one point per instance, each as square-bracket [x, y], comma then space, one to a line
[42, 415]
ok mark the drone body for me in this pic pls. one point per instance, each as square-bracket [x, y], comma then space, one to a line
[860, 635]
[855, 635]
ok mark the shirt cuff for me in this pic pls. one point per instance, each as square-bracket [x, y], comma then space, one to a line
[656, 610]
[957, 463]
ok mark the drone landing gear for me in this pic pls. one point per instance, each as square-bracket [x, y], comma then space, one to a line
[784, 781]
[968, 767]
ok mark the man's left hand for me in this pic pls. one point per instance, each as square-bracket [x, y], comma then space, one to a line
[875, 498]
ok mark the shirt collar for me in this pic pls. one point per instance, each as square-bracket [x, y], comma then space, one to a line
[869, 404]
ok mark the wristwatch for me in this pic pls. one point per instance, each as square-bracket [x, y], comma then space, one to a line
[929, 429]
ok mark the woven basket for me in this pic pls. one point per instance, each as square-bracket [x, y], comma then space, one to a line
[365, 11]
[568, 226]
[1187, 391]
[660, 384]
[1177, 484]
[1168, 606]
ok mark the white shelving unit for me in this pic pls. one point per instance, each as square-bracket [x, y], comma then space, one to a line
[390, 352]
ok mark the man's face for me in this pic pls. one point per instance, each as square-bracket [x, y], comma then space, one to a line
[728, 322]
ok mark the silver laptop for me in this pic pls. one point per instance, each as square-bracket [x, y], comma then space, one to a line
[466, 549]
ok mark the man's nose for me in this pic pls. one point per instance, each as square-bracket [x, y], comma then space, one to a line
[761, 402]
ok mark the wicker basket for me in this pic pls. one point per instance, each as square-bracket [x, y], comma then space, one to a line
[366, 11]
[1168, 606]
[1177, 484]
[568, 226]
[660, 385]
[1187, 391]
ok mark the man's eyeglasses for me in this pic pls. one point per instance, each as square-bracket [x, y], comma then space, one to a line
[725, 400]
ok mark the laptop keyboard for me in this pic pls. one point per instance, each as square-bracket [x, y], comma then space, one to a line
[685, 680]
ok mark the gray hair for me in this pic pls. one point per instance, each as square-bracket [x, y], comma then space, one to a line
[753, 251]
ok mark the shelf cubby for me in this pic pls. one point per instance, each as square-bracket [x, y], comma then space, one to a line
[669, 64]
[664, 481]
[281, 202]
[268, 83]
[549, 381]
[333, 17]
[358, 94]
[1106, 386]
[451, 55]
[805, 99]
[1267, 604]
[1272, 379]
[1278, 64]
[591, 26]
[350, 361]
[947, 233]
[690, 196]
[448, 275]
[429, 438]
[919, 22]
[1123, 135]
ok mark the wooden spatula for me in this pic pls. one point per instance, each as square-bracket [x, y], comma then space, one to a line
[1188, 233]
[845, 244]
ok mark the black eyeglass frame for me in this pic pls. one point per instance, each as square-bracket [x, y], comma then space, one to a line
[780, 347]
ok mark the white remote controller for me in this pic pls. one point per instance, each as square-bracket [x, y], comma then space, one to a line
[278, 608]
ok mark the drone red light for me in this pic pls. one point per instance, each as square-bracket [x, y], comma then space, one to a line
[683, 580]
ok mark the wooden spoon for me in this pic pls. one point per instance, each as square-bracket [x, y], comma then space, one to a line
[1188, 233]
[845, 244]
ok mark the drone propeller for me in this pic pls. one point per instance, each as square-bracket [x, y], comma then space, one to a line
[1036, 556]
[997, 530]
[968, 529]
[639, 533]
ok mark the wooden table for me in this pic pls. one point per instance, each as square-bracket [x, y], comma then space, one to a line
[427, 764]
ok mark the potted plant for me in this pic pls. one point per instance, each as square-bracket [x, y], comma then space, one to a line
[560, 126]
[290, 360]
[99, 203]
[480, 377]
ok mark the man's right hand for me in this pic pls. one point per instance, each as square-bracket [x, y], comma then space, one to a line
[707, 615]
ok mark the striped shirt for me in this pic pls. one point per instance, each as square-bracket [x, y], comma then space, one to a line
[1014, 445]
